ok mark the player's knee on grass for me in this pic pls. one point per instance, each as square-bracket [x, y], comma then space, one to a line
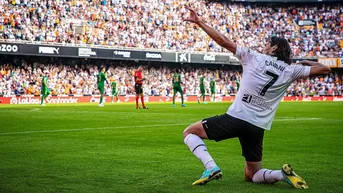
[196, 129]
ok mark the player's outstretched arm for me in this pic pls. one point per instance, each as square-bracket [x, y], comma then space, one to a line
[316, 68]
[216, 36]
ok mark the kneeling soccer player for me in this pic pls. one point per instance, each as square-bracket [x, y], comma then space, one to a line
[266, 76]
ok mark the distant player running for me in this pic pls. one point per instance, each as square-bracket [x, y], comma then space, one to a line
[45, 88]
[138, 87]
[177, 87]
[114, 91]
[202, 90]
[101, 85]
[213, 89]
[265, 79]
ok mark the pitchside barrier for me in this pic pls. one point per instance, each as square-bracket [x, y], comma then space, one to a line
[15, 100]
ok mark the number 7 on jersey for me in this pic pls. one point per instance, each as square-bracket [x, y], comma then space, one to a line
[270, 83]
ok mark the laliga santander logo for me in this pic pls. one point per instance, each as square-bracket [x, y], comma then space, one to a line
[167, 99]
[37, 100]
[61, 100]
[164, 99]
[96, 99]
[219, 98]
[127, 98]
[13, 100]
[338, 99]
[24, 100]
[306, 99]
[178, 99]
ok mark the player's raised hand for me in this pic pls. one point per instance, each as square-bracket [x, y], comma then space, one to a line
[193, 17]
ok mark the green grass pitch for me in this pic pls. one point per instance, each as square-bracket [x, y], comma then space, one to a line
[86, 148]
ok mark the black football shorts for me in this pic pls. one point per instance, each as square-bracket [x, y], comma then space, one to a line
[225, 127]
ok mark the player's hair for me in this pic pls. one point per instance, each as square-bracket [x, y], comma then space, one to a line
[283, 51]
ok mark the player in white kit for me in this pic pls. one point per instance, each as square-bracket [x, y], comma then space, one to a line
[266, 76]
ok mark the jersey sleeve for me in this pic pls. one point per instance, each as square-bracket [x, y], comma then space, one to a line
[244, 54]
[299, 71]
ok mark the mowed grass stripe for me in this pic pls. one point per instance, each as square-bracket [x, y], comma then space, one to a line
[93, 129]
[134, 126]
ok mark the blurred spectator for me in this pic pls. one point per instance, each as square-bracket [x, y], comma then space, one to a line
[158, 24]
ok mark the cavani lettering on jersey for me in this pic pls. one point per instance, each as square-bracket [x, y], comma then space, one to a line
[275, 65]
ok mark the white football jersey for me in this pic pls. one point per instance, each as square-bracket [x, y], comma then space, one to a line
[264, 82]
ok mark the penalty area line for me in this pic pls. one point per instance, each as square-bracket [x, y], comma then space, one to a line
[89, 129]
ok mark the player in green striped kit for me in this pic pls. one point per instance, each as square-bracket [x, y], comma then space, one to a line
[202, 90]
[45, 88]
[238, 84]
[213, 89]
[101, 85]
[177, 87]
[114, 91]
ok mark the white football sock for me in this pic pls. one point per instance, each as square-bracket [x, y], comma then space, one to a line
[198, 148]
[267, 176]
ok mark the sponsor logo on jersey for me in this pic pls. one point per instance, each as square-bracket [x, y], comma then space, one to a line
[255, 101]
[246, 98]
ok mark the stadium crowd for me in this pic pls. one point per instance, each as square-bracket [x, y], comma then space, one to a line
[81, 80]
[158, 24]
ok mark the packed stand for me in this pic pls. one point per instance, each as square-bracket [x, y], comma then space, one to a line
[25, 79]
[81, 79]
[158, 24]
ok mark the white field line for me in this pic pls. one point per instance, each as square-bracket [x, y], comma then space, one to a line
[35, 109]
[138, 126]
[90, 129]
[298, 119]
